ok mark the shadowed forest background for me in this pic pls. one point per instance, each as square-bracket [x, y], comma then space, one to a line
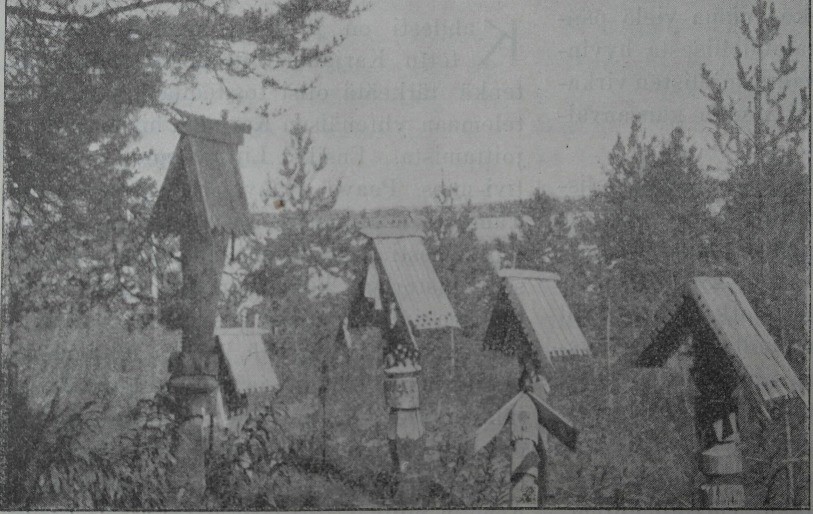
[90, 299]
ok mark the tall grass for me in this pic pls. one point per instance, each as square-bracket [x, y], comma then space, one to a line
[92, 358]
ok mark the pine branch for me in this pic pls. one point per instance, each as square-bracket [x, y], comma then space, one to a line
[71, 17]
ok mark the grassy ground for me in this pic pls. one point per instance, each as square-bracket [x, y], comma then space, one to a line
[636, 443]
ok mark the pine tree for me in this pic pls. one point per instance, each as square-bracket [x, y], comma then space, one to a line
[77, 77]
[766, 213]
[653, 217]
[314, 242]
[764, 236]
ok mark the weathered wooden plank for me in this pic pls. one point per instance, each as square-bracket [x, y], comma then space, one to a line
[727, 334]
[545, 298]
[741, 335]
[493, 425]
[556, 424]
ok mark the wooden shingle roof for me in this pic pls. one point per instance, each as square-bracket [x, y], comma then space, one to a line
[723, 308]
[247, 360]
[401, 258]
[203, 186]
[530, 307]
[417, 289]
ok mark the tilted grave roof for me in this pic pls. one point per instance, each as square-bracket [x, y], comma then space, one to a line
[409, 271]
[401, 259]
[722, 307]
[530, 307]
[247, 359]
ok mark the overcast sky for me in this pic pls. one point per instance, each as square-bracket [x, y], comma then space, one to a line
[498, 98]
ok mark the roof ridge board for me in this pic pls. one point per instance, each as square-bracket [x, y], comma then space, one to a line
[210, 129]
[527, 274]
[391, 232]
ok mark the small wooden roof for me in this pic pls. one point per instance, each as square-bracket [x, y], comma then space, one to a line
[403, 261]
[531, 308]
[719, 303]
[417, 289]
[203, 187]
[247, 360]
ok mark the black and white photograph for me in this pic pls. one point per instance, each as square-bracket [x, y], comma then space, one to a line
[381, 255]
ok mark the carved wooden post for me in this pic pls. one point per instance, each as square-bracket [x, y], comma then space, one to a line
[530, 319]
[405, 426]
[194, 371]
[524, 457]
[531, 419]
[400, 293]
[202, 200]
[403, 399]
[540, 389]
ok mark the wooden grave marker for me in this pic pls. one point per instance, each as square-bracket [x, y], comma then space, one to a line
[732, 350]
[529, 318]
[203, 201]
[400, 294]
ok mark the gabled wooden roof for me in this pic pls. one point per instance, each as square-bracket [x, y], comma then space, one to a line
[417, 289]
[247, 360]
[722, 307]
[531, 308]
[203, 186]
